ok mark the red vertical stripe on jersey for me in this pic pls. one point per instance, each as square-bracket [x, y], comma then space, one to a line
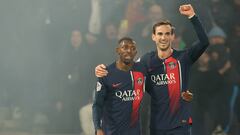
[172, 69]
[138, 86]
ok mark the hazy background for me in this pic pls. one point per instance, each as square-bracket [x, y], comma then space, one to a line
[45, 80]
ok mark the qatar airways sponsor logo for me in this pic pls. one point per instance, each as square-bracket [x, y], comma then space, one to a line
[163, 79]
[128, 95]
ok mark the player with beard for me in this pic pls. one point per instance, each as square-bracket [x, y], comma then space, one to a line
[167, 76]
[118, 95]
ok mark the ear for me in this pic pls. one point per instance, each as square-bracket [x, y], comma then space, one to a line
[117, 50]
[135, 53]
[173, 36]
[153, 37]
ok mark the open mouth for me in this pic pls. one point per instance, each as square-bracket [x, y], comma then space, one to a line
[163, 42]
[127, 57]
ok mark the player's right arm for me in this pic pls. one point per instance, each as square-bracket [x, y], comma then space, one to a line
[98, 104]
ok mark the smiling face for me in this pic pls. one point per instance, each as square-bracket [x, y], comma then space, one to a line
[163, 36]
[76, 38]
[127, 51]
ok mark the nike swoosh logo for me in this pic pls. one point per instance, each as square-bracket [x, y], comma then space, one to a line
[114, 85]
[150, 69]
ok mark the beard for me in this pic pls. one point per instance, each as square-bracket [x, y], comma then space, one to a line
[165, 48]
[127, 61]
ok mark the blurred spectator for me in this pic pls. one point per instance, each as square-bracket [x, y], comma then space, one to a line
[74, 76]
[236, 7]
[95, 18]
[178, 42]
[65, 15]
[101, 12]
[206, 97]
[40, 123]
[143, 31]
[235, 55]
[221, 17]
[218, 51]
[91, 40]
[218, 131]
[234, 45]
[107, 42]
[220, 61]
[155, 14]
[59, 117]
[86, 119]
[134, 13]
[72, 59]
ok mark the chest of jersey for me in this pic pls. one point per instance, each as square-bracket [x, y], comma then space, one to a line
[126, 86]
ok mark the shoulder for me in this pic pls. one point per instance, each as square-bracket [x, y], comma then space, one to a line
[180, 54]
[149, 54]
[146, 57]
[111, 67]
[139, 67]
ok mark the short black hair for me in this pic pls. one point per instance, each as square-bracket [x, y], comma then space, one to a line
[127, 39]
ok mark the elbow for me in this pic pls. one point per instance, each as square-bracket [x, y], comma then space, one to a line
[206, 42]
[96, 106]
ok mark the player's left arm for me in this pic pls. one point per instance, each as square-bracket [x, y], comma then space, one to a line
[98, 103]
[201, 45]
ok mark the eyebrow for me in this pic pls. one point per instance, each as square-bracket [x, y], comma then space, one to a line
[163, 32]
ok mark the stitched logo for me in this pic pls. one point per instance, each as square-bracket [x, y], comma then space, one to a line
[115, 85]
[139, 81]
[172, 65]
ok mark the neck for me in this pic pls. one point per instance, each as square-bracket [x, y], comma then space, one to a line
[122, 66]
[162, 54]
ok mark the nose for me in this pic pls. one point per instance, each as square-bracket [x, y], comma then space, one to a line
[128, 49]
[162, 37]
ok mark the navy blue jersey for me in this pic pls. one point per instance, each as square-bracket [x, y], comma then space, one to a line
[117, 100]
[167, 78]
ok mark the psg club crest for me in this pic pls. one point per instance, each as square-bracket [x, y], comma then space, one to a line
[139, 81]
[172, 65]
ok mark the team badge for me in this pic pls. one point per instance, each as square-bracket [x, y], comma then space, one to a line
[99, 86]
[172, 65]
[139, 81]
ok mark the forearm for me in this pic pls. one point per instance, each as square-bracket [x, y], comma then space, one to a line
[201, 45]
[97, 115]
[202, 35]
[98, 105]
